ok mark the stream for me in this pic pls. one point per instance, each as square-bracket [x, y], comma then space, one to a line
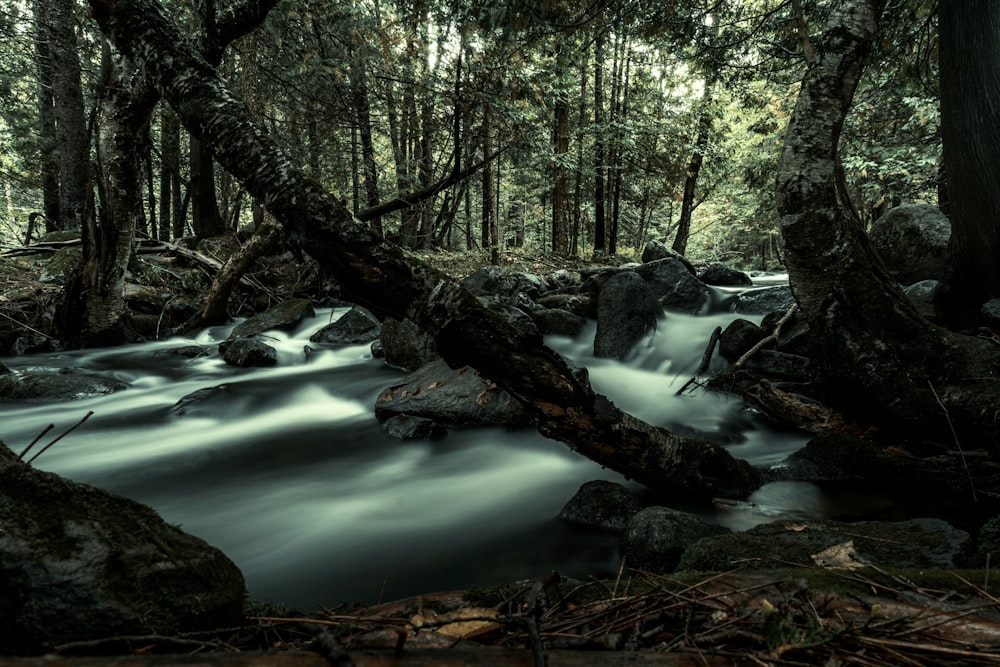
[287, 471]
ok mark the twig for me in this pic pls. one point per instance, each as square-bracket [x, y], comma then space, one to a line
[961, 452]
[65, 433]
[706, 358]
[20, 457]
[22, 324]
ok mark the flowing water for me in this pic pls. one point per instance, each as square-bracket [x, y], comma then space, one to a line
[286, 470]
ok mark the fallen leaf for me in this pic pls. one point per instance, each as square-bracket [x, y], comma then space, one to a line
[838, 557]
[797, 527]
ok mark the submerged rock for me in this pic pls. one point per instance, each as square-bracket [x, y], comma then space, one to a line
[285, 315]
[601, 504]
[79, 563]
[66, 385]
[356, 326]
[248, 351]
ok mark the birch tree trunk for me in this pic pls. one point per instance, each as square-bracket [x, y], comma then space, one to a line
[378, 275]
[880, 355]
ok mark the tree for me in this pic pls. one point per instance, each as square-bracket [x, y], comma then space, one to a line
[970, 118]
[379, 275]
[879, 354]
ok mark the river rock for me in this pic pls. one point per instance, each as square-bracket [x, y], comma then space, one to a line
[673, 283]
[557, 321]
[408, 427]
[656, 537]
[356, 326]
[458, 397]
[248, 351]
[78, 563]
[601, 504]
[765, 300]
[497, 281]
[655, 250]
[781, 365]
[286, 315]
[627, 311]
[724, 275]
[62, 263]
[912, 543]
[913, 242]
[921, 295]
[405, 345]
[738, 337]
[69, 384]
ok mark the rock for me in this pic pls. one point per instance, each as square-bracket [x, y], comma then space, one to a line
[578, 304]
[627, 311]
[4, 370]
[66, 385]
[286, 315]
[514, 310]
[184, 351]
[912, 543]
[921, 295]
[143, 299]
[248, 351]
[405, 345]
[765, 300]
[654, 250]
[673, 283]
[78, 563]
[737, 338]
[656, 537]
[194, 402]
[497, 281]
[913, 242]
[601, 504]
[987, 546]
[990, 313]
[356, 326]
[556, 321]
[830, 456]
[62, 263]
[408, 427]
[562, 280]
[724, 276]
[781, 365]
[459, 397]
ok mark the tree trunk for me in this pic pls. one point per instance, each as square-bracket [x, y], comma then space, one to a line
[969, 53]
[362, 109]
[560, 141]
[694, 168]
[380, 277]
[48, 154]
[71, 122]
[600, 231]
[491, 216]
[879, 354]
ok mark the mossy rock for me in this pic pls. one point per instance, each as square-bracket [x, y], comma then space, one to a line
[61, 265]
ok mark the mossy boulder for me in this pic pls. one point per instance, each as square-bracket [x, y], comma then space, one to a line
[67, 385]
[78, 563]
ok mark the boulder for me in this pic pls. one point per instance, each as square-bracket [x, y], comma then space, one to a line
[458, 397]
[557, 321]
[248, 351]
[69, 384]
[657, 537]
[673, 283]
[921, 295]
[912, 543]
[738, 337]
[578, 304]
[61, 265]
[627, 311]
[286, 315]
[655, 250]
[723, 275]
[356, 326]
[913, 242]
[405, 345]
[78, 563]
[781, 365]
[765, 300]
[601, 504]
[990, 313]
[497, 281]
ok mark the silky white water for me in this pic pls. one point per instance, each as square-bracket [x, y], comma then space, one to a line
[287, 471]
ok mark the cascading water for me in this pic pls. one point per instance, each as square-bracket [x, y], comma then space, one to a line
[287, 471]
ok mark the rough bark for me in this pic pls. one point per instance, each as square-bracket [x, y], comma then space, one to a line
[878, 351]
[49, 162]
[600, 231]
[970, 128]
[694, 169]
[378, 275]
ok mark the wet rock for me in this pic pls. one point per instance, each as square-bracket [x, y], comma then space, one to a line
[724, 276]
[67, 385]
[405, 345]
[248, 352]
[578, 304]
[830, 456]
[656, 537]
[912, 543]
[601, 504]
[356, 326]
[515, 311]
[184, 351]
[194, 403]
[765, 300]
[557, 321]
[627, 311]
[286, 315]
[738, 337]
[921, 295]
[780, 365]
[673, 283]
[409, 427]
[913, 242]
[497, 281]
[78, 563]
[458, 397]
[655, 250]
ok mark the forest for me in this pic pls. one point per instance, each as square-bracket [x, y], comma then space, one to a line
[382, 140]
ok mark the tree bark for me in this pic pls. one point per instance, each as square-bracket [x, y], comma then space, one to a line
[600, 231]
[694, 168]
[48, 155]
[879, 353]
[379, 276]
[970, 127]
